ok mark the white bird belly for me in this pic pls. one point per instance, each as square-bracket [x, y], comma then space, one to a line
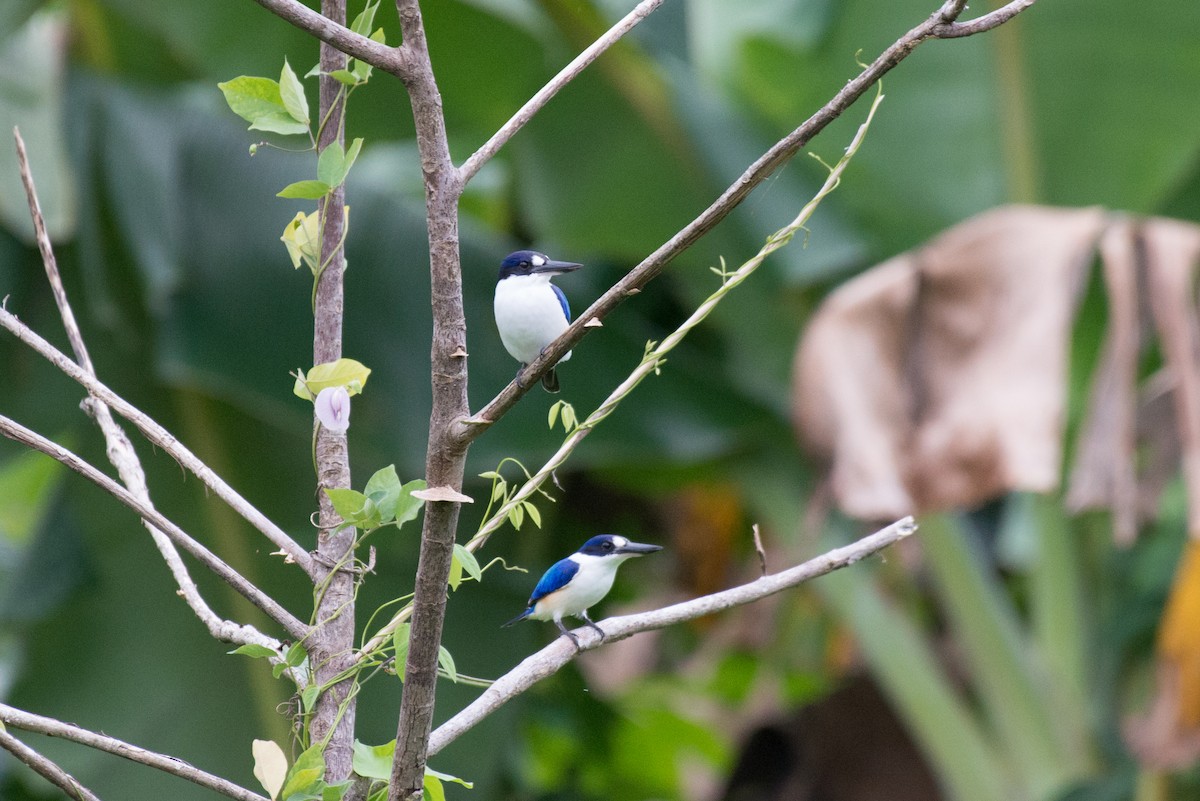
[585, 590]
[528, 316]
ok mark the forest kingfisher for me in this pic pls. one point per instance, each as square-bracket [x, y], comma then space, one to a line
[574, 584]
[530, 311]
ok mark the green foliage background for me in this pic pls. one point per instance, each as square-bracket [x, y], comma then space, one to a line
[168, 236]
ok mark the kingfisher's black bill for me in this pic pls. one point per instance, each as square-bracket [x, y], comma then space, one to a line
[556, 267]
[638, 548]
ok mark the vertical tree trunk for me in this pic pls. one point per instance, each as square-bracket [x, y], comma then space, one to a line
[445, 457]
[332, 644]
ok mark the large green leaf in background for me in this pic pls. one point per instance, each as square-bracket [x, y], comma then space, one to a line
[194, 312]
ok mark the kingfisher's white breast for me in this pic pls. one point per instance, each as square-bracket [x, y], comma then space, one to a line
[586, 588]
[528, 316]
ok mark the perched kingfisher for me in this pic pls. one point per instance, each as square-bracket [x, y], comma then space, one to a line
[530, 311]
[573, 585]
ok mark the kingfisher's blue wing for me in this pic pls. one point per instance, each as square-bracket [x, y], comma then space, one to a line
[555, 578]
[562, 301]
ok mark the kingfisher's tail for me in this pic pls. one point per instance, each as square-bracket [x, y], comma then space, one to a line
[550, 380]
[518, 618]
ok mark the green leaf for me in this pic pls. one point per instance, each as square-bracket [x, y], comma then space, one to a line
[533, 513]
[334, 163]
[468, 561]
[373, 761]
[365, 19]
[305, 190]
[516, 516]
[354, 507]
[446, 662]
[329, 164]
[308, 698]
[408, 507]
[307, 775]
[499, 490]
[553, 417]
[351, 156]
[295, 656]
[433, 788]
[360, 71]
[280, 122]
[491, 475]
[400, 644]
[251, 98]
[345, 76]
[291, 92]
[384, 490]
[346, 373]
[254, 650]
[446, 777]
[454, 579]
[302, 239]
[336, 792]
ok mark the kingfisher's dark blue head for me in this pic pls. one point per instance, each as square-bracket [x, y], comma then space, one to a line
[615, 545]
[529, 262]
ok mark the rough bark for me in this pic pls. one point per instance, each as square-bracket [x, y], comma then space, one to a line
[445, 457]
[332, 642]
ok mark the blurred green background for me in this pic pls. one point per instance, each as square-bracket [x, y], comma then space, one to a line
[167, 233]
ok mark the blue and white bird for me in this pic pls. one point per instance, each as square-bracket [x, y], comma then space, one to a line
[573, 585]
[530, 311]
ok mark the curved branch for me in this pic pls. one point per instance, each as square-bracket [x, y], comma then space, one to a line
[27, 721]
[543, 96]
[389, 59]
[225, 630]
[161, 438]
[941, 24]
[554, 656]
[45, 768]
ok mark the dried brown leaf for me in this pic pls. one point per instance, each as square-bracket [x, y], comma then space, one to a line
[937, 379]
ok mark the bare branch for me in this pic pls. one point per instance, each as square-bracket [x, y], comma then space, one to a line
[225, 630]
[550, 659]
[389, 59]
[543, 96]
[27, 721]
[939, 25]
[161, 438]
[954, 30]
[120, 450]
[45, 768]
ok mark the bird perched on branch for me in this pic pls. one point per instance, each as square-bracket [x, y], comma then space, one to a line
[573, 585]
[530, 311]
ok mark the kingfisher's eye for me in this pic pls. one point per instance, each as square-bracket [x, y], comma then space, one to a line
[608, 546]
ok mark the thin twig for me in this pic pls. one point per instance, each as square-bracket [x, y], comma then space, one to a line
[544, 95]
[45, 768]
[161, 438]
[758, 548]
[394, 60]
[225, 630]
[941, 24]
[550, 659]
[27, 721]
